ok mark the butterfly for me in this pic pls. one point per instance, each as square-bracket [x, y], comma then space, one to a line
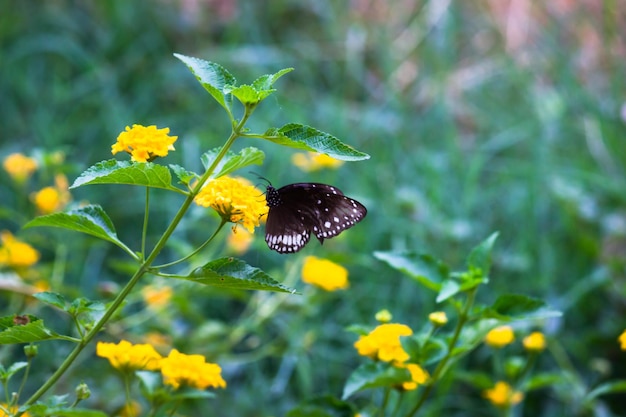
[297, 210]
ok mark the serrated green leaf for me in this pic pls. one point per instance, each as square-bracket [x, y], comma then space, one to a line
[232, 161]
[266, 81]
[33, 331]
[518, 307]
[52, 298]
[480, 257]
[113, 171]
[373, 375]
[184, 176]
[91, 219]
[425, 269]
[213, 77]
[235, 274]
[304, 137]
[247, 95]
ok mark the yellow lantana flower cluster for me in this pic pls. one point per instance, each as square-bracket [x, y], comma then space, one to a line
[502, 395]
[313, 161]
[500, 337]
[53, 198]
[14, 253]
[383, 343]
[235, 199]
[324, 274]
[125, 356]
[144, 143]
[12, 409]
[177, 368]
[534, 342]
[190, 370]
[156, 297]
[20, 167]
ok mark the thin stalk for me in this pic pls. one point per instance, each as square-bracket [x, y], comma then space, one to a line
[144, 231]
[463, 317]
[224, 221]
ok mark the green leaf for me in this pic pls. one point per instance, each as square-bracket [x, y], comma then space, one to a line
[545, 379]
[184, 176]
[6, 374]
[112, 171]
[213, 77]
[480, 257]
[304, 137]
[449, 288]
[373, 375]
[519, 307]
[52, 298]
[235, 274]
[46, 411]
[323, 406]
[247, 95]
[265, 82]
[425, 269]
[232, 161]
[33, 331]
[611, 387]
[91, 219]
[424, 350]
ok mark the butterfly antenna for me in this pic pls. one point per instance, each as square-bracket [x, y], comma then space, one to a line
[261, 177]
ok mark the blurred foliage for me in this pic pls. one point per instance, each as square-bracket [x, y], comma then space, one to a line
[480, 116]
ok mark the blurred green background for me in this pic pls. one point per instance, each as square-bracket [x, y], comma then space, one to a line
[480, 116]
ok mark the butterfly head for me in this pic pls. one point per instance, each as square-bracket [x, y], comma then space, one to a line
[272, 197]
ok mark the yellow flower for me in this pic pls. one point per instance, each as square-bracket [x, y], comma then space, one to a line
[191, 370]
[128, 357]
[159, 340]
[51, 199]
[438, 318]
[502, 395]
[15, 253]
[130, 409]
[239, 241]
[534, 342]
[236, 200]
[312, 161]
[500, 337]
[19, 166]
[144, 143]
[324, 274]
[419, 376]
[383, 316]
[383, 343]
[12, 409]
[622, 340]
[156, 297]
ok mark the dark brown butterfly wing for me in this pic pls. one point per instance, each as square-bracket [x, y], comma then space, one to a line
[297, 210]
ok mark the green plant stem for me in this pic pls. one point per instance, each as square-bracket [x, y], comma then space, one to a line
[198, 249]
[144, 231]
[143, 268]
[441, 366]
[26, 372]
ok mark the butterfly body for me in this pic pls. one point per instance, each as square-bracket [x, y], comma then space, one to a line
[298, 210]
